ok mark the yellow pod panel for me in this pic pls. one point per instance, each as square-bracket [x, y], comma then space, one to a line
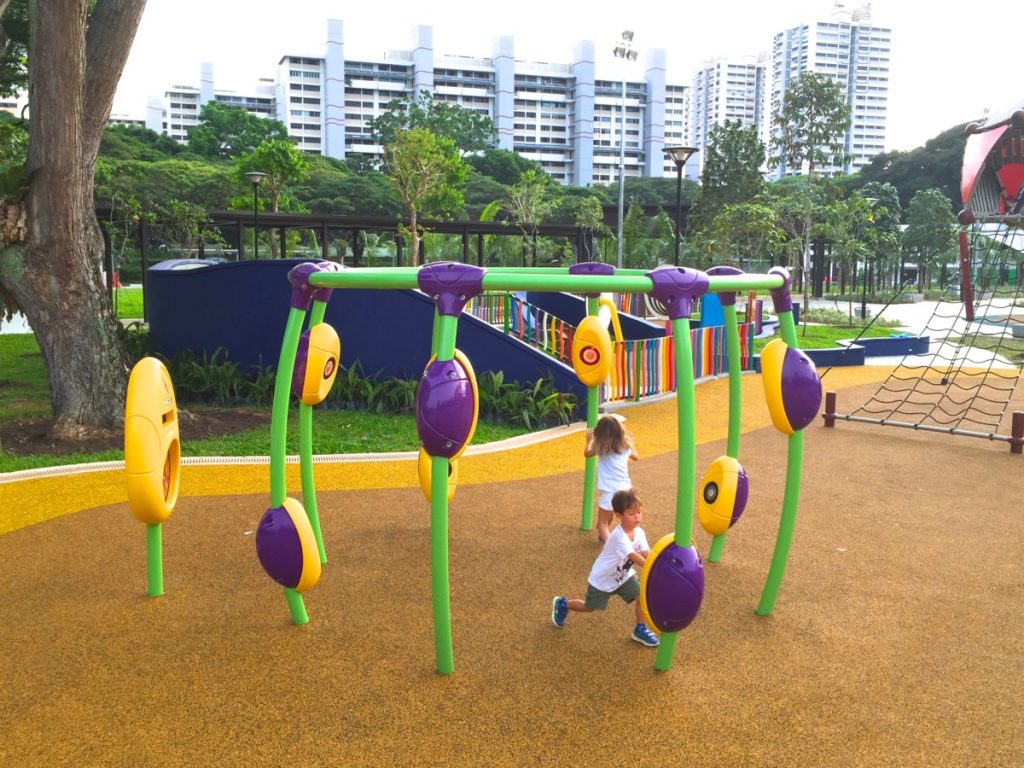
[723, 495]
[423, 465]
[152, 451]
[310, 554]
[322, 358]
[592, 352]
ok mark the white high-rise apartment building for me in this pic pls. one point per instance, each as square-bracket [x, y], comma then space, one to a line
[725, 89]
[853, 53]
[563, 115]
[558, 114]
[178, 111]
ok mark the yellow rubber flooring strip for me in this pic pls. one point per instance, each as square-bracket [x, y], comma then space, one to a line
[653, 426]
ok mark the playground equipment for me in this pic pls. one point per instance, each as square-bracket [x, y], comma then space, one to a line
[152, 457]
[963, 384]
[446, 411]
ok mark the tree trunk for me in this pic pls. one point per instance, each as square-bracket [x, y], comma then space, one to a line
[55, 276]
[414, 257]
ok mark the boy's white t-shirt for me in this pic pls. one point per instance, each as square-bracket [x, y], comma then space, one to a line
[613, 565]
[613, 471]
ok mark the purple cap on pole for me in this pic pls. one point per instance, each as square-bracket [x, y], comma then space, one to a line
[450, 285]
[445, 408]
[302, 291]
[675, 588]
[279, 548]
[728, 298]
[677, 288]
[782, 297]
[591, 268]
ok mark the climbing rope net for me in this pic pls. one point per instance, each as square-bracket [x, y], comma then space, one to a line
[964, 383]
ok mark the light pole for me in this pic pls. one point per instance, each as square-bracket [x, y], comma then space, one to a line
[679, 156]
[864, 296]
[255, 178]
[623, 50]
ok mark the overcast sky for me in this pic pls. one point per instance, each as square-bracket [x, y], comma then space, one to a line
[945, 67]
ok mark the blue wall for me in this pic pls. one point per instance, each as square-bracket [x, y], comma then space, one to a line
[243, 307]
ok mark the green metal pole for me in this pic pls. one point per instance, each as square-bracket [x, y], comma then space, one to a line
[590, 463]
[732, 337]
[444, 333]
[296, 606]
[790, 498]
[525, 280]
[687, 464]
[278, 434]
[306, 452]
[154, 559]
[279, 413]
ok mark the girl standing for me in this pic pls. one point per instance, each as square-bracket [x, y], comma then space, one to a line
[613, 446]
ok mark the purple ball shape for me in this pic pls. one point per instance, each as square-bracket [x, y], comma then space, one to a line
[801, 389]
[675, 588]
[301, 359]
[742, 493]
[279, 548]
[445, 408]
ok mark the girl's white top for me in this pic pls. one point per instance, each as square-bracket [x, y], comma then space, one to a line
[613, 471]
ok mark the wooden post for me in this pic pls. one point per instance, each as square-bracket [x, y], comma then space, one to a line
[830, 409]
[1017, 433]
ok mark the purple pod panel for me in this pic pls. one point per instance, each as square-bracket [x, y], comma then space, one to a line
[445, 408]
[742, 493]
[299, 372]
[279, 548]
[801, 388]
[675, 588]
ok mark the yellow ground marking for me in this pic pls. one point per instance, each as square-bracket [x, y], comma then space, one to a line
[653, 426]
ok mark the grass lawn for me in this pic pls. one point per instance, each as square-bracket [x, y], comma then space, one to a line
[128, 303]
[24, 394]
[826, 336]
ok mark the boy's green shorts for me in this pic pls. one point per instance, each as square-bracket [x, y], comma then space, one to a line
[597, 600]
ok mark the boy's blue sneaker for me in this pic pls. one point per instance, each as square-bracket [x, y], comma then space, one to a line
[644, 636]
[559, 610]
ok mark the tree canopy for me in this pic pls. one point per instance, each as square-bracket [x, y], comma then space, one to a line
[226, 131]
[811, 124]
[470, 130]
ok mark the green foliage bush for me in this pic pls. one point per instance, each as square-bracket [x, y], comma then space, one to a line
[216, 380]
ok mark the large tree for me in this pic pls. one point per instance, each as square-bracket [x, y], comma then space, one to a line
[809, 133]
[733, 161]
[931, 233]
[429, 176]
[52, 266]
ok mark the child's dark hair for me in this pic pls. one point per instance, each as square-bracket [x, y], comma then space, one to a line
[610, 436]
[623, 500]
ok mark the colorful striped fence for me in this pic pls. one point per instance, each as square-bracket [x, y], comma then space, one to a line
[641, 367]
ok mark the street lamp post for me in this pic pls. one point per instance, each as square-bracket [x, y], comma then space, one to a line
[623, 50]
[679, 156]
[255, 178]
[864, 296]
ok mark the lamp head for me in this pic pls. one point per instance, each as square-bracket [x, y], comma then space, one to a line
[255, 177]
[680, 155]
